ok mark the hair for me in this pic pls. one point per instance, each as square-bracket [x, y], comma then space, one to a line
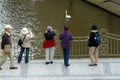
[49, 28]
[66, 27]
[5, 29]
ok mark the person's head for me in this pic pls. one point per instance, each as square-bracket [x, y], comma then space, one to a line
[24, 30]
[66, 27]
[94, 28]
[8, 28]
[49, 28]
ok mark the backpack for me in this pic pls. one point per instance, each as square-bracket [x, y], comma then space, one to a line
[97, 38]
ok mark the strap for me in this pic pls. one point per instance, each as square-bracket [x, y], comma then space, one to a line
[24, 37]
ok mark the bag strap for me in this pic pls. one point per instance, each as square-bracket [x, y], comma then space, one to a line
[24, 38]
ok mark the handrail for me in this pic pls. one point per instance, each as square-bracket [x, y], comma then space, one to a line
[113, 35]
[110, 46]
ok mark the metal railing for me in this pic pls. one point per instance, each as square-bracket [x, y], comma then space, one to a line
[109, 47]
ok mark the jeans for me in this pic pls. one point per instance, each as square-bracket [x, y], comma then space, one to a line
[66, 53]
[26, 56]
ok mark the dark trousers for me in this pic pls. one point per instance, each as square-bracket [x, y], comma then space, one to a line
[21, 54]
[66, 53]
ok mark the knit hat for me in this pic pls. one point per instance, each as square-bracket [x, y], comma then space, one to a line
[94, 27]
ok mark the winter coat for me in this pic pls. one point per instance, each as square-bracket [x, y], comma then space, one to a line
[6, 39]
[65, 38]
[91, 40]
[27, 40]
[49, 39]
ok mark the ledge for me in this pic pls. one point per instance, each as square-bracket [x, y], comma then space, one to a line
[109, 6]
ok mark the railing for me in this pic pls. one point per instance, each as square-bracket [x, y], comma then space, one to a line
[79, 47]
[109, 47]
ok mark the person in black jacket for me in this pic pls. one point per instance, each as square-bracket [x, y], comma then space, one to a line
[49, 44]
[93, 43]
[6, 47]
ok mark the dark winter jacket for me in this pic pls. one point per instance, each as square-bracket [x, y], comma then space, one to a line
[6, 39]
[91, 40]
[49, 35]
[49, 39]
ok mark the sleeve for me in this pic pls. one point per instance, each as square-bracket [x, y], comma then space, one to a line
[3, 42]
[54, 33]
[45, 34]
[31, 34]
[71, 37]
[91, 38]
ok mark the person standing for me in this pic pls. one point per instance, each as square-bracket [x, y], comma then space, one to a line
[26, 36]
[49, 44]
[66, 38]
[6, 46]
[93, 43]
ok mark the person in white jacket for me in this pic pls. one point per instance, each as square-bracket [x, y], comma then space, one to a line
[26, 36]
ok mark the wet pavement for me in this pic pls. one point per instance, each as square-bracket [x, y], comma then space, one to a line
[107, 68]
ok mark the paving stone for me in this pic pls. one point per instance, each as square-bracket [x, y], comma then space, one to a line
[78, 70]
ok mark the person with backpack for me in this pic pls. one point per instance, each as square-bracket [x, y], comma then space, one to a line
[93, 44]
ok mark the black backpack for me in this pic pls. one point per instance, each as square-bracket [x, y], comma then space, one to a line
[97, 38]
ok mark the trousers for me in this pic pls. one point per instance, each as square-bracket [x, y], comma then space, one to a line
[93, 52]
[66, 53]
[21, 54]
[49, 54]
[4, 57]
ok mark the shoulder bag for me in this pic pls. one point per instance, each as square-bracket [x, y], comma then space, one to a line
[20, 42]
